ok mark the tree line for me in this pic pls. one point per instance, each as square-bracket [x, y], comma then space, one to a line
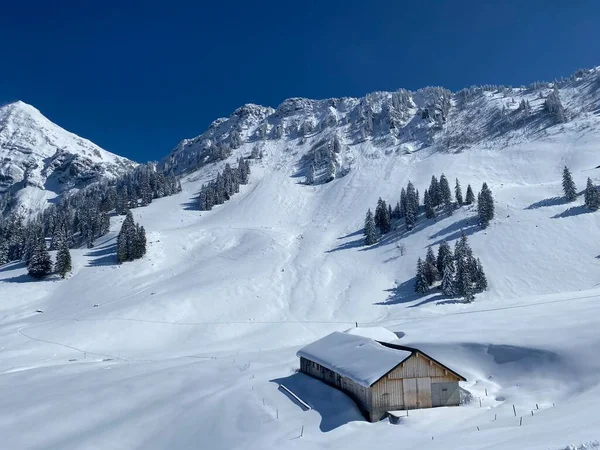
[224, 186]
[437, 199]
[590, 194]
[80, 217]
[456, 274]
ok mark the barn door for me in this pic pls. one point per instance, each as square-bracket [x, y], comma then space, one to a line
[424, 392]
[409, 388]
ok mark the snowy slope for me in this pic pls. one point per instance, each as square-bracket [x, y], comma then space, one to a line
[39, 160]
[187, 346]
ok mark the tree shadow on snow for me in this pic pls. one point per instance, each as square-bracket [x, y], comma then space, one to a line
[552, 201]
[573, 211]
[335, 407]
[402, 293]
[348, 245]
[103, 256]
[459, 225]
[12, 265]
[458, 233]
[23, 278]
[191, 204]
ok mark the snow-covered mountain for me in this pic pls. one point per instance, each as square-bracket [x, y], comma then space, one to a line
[40, 160]
[189, 344]
[399, 122]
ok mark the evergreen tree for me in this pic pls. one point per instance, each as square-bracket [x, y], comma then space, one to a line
[411, 206]
[435, 196]
[444, 257]
[480, 278]
[458, 193]
[470, 196]
[569, 185]
[403, 203]
[126, 239]
[429, 210]
[430, 267]
[485, 206]
[421, 284]
[40, 264]
[396, 213]
[445, 194]
[370, 230]
[3, 251]
[554, 106]
[63, 260]
[382, 217]
[592, 196]
[448, 282]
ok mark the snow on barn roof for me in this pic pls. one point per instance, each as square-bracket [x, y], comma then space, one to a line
[359, 358]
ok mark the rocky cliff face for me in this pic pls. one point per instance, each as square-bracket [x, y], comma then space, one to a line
[403, 121]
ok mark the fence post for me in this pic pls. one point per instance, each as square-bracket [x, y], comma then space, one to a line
[515, 410]
[521, 421]
[302, 431]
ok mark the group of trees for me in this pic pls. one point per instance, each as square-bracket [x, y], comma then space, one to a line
[81, 217]
[591, 194]
[436, 199]
[224, 186]
[457, 274]
[131, 241]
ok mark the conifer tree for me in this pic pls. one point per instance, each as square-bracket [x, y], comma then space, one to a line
[470, 196]
[569, 185]
[445, 194]
[458, 193]
[444, 256]
[430, 267]
[448, 281]
[396, 213]
[40, 264]
[592, 196]
[435, 196]
[480, 278]
[370, 231]
[63, 260]
[411, 206]
[3, 251]
[485, 206]
[382, 217]
[403, 203]
[429, 210]
[421, 284]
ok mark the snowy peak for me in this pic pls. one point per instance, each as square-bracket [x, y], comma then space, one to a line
[401, 121]
[40, 160]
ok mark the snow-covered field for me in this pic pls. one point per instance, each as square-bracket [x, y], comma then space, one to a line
[186, 347]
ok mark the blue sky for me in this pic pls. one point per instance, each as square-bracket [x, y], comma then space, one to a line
[137, 77]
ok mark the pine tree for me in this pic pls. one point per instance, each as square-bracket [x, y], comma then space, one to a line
[444, 257]
[430, 267]
[3, 251]
[458, 193]
[569, 185]
[485, 205]
[470, 196]
[429, 210]
[63, 260]
[403, 203]
[421, 284]
[125, 239]
[480, 278]
[370, 230]
[435, 196]
[40, 264]
[382, 217]
[554, 106]
[396, 214]
[445, 194]
[411, 206]
[592, 196]
[448, 282]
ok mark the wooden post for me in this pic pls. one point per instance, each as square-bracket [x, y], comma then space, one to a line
[536, 406]
[356, 323]
[495, 416]
[532, 412]
[486, 392]
[477, 428]
[480, 402]
[277, 412]
[515, 410]
[302, 431]
[521, 421]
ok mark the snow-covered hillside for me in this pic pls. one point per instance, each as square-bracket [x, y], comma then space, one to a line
[186, 347]
[39, 160]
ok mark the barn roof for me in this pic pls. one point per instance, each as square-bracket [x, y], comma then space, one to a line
[358, 358]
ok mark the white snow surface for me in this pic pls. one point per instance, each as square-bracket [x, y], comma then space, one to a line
[187, 346]
[380, 334]
[358, 358]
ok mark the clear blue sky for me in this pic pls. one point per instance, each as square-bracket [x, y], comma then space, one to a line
[137, 77]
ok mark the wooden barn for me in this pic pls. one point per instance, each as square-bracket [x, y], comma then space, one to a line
[380, 376]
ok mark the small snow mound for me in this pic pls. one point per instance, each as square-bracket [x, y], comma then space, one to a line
[587, 446]
[376, 333]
